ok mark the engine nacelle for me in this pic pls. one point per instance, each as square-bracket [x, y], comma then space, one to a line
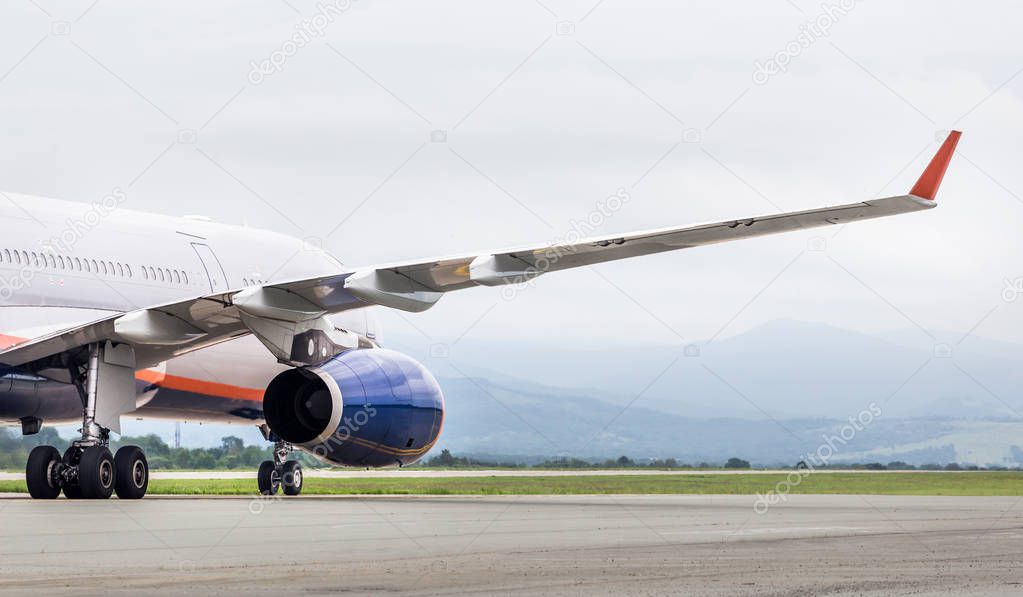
[367, 407]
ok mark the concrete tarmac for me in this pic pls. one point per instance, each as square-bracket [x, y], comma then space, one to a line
[633, 545]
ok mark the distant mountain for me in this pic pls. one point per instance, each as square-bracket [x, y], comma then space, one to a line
[783, 369]
[485, 418]
[770, 395]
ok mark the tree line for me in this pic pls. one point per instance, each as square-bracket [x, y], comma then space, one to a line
[448, 460]
[232, 453]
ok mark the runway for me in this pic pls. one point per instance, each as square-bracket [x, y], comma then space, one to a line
[712, 545]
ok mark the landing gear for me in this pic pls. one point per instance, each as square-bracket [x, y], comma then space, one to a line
[69, 476]
[268, 478]
[273, 474]
[132, 473]
[291, 478]
[88, 470]
[96, 473]
[42, 473]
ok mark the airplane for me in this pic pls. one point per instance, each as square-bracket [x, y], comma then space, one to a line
[123, 313]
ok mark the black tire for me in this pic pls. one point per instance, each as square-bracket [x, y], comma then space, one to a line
[71, 456]
[268, 479]
[96, 473]
[41, 474]
[291, 478]
[132, 473]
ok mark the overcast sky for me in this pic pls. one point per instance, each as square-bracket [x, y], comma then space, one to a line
[410, 129]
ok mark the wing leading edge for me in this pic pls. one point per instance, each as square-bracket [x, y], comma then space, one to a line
[297, 308]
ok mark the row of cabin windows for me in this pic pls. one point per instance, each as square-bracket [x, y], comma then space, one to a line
[163, 274]
[106, 268]
[253, 282]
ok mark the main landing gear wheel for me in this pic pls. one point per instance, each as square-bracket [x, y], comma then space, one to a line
[131, 473]
[291, 477]
[70, 484]
[268, 478]
[42, 473]
[96, 473]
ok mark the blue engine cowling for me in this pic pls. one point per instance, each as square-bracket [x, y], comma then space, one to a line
[367, 408]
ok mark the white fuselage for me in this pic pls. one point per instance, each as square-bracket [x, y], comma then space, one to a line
[65, 263]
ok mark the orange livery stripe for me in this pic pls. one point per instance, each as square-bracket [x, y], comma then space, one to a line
[198, 386]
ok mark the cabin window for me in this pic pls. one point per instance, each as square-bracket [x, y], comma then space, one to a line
[127, 269]
[103, 265]
[184, 276]
[52, 261]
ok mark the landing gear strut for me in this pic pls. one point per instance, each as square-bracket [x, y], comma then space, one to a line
[88, 470]
[280, 472]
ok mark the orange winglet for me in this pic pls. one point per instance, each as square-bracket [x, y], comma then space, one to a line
[930, 180]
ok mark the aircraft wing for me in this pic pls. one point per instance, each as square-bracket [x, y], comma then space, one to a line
[290, 317]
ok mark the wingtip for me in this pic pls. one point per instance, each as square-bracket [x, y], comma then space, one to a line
[927, 186]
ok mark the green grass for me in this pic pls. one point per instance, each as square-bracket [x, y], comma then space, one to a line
[909, 483]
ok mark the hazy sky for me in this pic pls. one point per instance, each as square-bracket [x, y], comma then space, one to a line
[411, 129]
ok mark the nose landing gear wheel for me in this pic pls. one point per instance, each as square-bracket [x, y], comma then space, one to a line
[132, 473]
[96, 473]
[42, 474]
[291, 477]
[268, 478]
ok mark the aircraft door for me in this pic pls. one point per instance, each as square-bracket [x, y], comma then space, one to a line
[211, 265]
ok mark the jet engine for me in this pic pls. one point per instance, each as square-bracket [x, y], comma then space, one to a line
[365, 407]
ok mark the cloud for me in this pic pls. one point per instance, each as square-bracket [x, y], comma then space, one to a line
[553, 122]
